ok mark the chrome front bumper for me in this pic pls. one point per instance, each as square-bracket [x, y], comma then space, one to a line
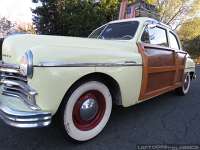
[18, 106]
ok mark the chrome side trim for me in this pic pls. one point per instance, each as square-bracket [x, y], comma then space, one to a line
[66, 64]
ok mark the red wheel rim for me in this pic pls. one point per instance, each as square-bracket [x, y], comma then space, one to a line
[99, 100]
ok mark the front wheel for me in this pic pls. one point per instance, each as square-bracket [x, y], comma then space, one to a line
[186, 85]
[87, 110]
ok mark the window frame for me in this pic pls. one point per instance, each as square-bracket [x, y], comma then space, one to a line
[177, 40]
[105, 25]
[121, 22]
[156, 26]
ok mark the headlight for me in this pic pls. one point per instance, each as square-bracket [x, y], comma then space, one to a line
[26, 64]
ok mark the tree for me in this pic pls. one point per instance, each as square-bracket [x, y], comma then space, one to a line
[151, 2]
[190, 36]
[175, 12]
[25, 28]
[6, 27]
[73, 17]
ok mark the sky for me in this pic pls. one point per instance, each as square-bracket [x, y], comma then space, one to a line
[17, 10]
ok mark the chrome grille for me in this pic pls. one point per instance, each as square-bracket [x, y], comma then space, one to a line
[12, 76]
[14, 84]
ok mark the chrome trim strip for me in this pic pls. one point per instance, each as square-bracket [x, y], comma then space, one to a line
[66, 64]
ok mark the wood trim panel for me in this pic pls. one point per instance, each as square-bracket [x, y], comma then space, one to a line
[161, 69]
[144, 73]
[160, 91]
[154, 71]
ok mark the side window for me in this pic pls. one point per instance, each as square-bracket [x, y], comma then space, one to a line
[155, 36]
[97, 32]
[145, 36]
[173, 41]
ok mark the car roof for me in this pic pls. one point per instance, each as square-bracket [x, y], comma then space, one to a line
[141, 20]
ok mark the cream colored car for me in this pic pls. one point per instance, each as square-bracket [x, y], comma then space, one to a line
[123, 62]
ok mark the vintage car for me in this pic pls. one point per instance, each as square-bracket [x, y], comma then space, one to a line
[77, 80]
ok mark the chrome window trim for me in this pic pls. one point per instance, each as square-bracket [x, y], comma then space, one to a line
[105, 25]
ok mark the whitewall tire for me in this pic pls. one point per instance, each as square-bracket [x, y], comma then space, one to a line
[87, 110]
[184, 89]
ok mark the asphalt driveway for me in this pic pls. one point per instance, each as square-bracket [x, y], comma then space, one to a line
[167, 119]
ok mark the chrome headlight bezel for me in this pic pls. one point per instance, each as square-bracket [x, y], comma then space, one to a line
[26, 64]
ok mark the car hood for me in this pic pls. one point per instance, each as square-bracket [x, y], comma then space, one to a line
[47, 48]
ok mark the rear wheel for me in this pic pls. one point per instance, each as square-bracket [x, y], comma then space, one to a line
[87, 110]
[186, 85]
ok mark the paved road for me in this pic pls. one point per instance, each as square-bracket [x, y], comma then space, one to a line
[167, 119]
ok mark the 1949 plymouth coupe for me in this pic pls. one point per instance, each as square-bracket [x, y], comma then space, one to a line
[123, 62]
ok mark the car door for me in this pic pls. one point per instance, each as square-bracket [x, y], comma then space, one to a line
[159, 62]
[180, 58]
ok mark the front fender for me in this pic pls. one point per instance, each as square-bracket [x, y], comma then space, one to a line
[51, 84]
[189, 65]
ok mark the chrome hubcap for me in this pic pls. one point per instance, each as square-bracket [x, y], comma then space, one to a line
[89, 109]
[186, 82]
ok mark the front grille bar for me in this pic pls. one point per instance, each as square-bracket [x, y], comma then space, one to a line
[16, 85]
[15, 77]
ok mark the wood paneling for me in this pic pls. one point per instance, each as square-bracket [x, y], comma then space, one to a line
[163, 69]
[159, 57]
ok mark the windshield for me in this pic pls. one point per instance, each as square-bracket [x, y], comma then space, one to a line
[116, 31]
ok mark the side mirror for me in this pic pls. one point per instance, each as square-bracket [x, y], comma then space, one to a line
[151, 26]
